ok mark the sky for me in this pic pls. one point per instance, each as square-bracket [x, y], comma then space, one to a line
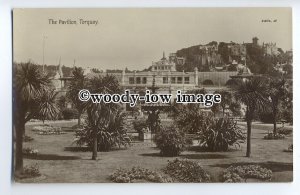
[133, 38]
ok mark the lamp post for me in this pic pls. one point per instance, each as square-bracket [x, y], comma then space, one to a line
[44, 43]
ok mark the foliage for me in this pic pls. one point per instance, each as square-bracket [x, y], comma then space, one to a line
[139, 125]
[170, 140]
[137, 174]
[253, 94]
[46, 105]
[287, 107]
[284, 131]
[221, 133]
[27, 138]
[30, 151]
[191, 118]
[235, 108]
[277, 89]
[271, 136]
[266, 117]
[69, 113]
[186, 171]
[77, 83]
[111, 132]
[241, 173]
[31, 171]
[32, 98]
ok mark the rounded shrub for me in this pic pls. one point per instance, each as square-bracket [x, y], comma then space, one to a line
[170, 140]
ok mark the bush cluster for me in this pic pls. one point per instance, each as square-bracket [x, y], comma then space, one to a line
[170, 140]
[284, 131]
[137, 174]
[241, 173]
[30, 151]
[221, 133]
[186, 171]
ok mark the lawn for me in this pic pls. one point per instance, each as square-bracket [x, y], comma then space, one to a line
[59, 162]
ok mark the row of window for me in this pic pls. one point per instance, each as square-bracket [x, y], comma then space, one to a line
[166, 80]
[178, 80]
[162, 67]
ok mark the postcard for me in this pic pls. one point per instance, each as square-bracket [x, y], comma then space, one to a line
[152, 95]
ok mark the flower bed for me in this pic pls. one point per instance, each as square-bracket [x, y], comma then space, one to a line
[47, 130]
[241, 173]
[186, 171]
[137, 174]
[30, 151]
[273, 136]
[31, 171]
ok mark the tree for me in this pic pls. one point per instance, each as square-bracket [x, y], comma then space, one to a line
[98, 114]
[253, 94]
[77, 83]
[31, 98]
[226, 100]
[277, 90]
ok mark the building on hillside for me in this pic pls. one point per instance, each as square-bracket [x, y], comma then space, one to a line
[270, 49]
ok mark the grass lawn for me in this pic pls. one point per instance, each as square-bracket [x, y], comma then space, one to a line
[59, 163]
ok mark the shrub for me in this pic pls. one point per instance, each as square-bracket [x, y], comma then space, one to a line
[284, 131]
[137, 174]
[272, 136]
[31, 171]
[221, 133]
[112, 133]
[139, 125]
[27, 138]
[69, 113]
[241, 173]
[186, 171]
[191, 119]
[170, 140]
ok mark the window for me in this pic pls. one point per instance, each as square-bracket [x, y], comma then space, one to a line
[131, 80]
[165, 80]
[144, 80]
[179, 80]
[173, 80]
[186, 80]
[138, 80]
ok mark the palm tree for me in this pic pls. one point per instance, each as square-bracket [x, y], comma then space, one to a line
[253, 94]
[77, 83]
[99, 114]
[31, 98]
[277, 90]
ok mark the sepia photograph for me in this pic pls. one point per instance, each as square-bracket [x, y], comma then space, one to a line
[152, 95]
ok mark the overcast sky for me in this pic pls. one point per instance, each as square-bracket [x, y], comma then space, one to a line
[134, 38]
